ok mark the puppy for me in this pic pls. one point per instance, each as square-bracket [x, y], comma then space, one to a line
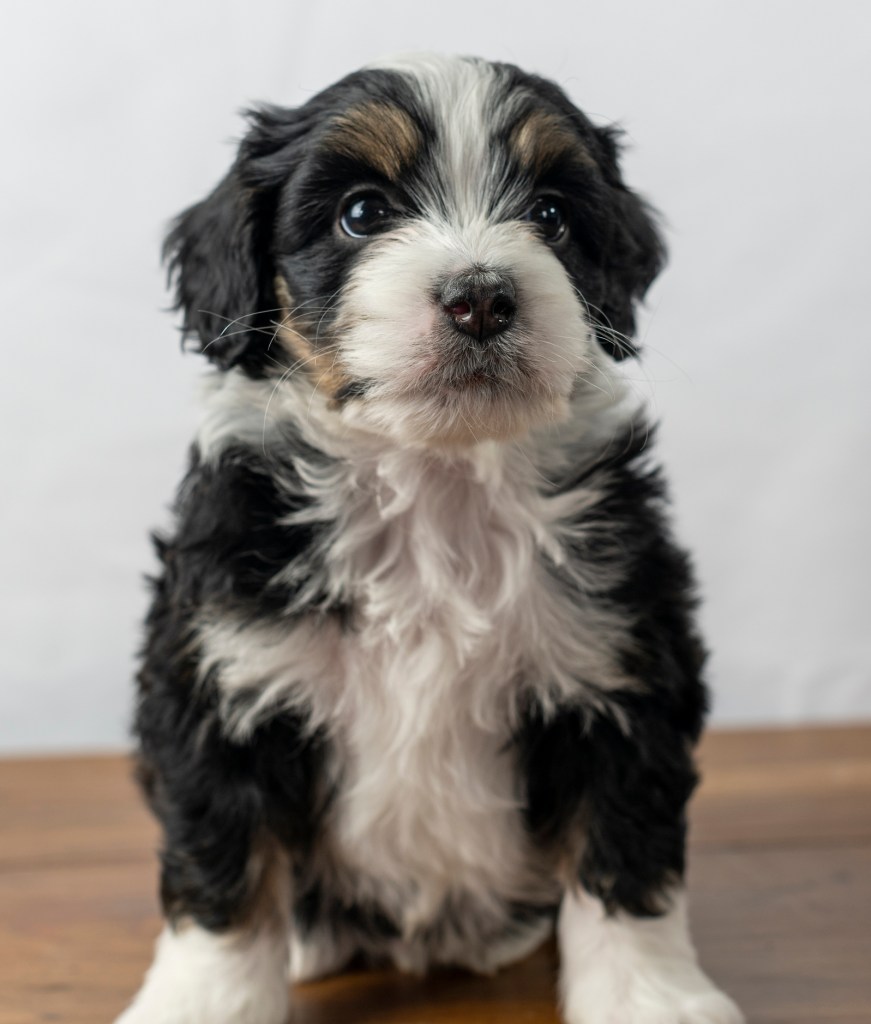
[421, 679]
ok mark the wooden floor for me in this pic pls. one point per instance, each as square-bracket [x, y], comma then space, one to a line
[780, 878]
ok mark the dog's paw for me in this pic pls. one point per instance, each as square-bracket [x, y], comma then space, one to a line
[205, 1009]
[319, 956]
[621, 969]
[686, 998]
[202, 978]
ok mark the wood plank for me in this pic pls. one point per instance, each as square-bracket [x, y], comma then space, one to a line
[760, 787]
[70, 810]
[780, 878]
[782, 744]
[74, 942]
[793, 786]
[784, 931]
[524, 993]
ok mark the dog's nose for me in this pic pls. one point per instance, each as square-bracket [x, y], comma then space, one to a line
[480, 304]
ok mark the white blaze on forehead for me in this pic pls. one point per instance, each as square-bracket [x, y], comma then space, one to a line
[467, 101]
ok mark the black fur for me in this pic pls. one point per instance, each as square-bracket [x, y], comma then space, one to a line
[316, 907]
[623, 775]
[231, 541]
[216, 797]
[224, 252]
[620, 250]
[274, 212]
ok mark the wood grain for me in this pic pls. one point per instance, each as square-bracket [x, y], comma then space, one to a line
[799, 787]
[780, 881]
[64, 811]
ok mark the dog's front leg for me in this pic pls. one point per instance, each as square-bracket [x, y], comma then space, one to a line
[227, 972]
[607, 790]
[225, 882]
[199, 976]
[618, 968]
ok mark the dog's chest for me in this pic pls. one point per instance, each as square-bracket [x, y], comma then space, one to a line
[456, 619]
[446, 585]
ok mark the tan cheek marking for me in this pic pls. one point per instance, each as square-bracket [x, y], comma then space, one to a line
[543, 139]
[324, 367]
[378, 134]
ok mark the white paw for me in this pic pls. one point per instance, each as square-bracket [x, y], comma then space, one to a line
[318, 956]
[201, 978]
[202, 1007]
[690, 998]
[619, 969]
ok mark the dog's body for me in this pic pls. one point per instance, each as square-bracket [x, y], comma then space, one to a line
[421, 674]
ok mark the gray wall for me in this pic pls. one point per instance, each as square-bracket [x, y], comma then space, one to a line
[747, 125]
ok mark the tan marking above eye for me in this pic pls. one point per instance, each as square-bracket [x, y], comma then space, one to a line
[378, 134]
[543, 138]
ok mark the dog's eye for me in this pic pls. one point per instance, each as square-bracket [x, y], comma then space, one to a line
[365, 214]
[548, 215]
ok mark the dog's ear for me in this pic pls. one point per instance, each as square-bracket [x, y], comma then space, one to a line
[217, 269]
[633, 255]
[218, 252]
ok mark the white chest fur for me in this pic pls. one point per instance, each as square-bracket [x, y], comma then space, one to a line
[455, 617]
[446, 586]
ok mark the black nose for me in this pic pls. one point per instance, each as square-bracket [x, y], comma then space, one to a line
[480, 304]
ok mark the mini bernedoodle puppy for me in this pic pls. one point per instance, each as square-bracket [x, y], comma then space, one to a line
[421, 680]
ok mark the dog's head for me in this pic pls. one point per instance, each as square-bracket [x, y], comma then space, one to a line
[443, 247]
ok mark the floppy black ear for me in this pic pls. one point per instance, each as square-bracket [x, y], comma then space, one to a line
[218, 269]
[219, 251]
[634, 254]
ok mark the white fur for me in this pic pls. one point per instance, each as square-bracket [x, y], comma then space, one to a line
[441, 555]
[391, 334]
[390, 325]
[459, 95]
[320, 955]
[628, 970]
[439, 527]
[199, 977]
[438, 539]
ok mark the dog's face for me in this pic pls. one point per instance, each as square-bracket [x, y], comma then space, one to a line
[443, 247]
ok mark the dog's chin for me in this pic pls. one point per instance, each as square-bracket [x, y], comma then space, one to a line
[448, 393]
[462, 410]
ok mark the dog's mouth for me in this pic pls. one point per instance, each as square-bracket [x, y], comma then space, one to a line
[484, 372]
[450, 394]
[474, 380]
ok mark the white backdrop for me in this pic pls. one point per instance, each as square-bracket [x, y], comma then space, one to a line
[748, 125]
